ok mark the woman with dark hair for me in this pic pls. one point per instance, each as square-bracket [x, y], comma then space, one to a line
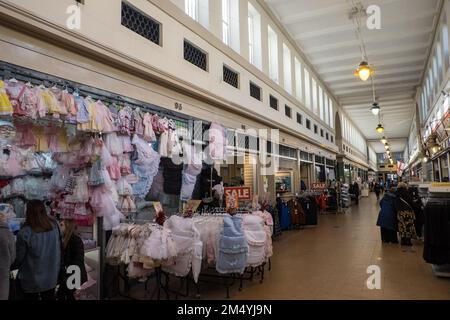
[38, 253]
[73, 255]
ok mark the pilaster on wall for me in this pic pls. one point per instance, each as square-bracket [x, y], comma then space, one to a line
[265, 44]
[243, 22]
[215, 18]
[280, 61]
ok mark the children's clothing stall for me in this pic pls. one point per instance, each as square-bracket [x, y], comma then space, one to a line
[101, 160]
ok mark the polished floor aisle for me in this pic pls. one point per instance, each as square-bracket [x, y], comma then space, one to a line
[330, 261]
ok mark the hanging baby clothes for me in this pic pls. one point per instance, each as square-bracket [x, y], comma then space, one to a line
[158, 124]
[27, 102]
[57, 93]
[6, 108]
[104, 119]
[126, 203]
[172, 142]
[48, 99]
[145, 167]
[217, 142]
[68, 102]
[14, 89]
[82, 109]
[113, 144]
[233, 247]
[138, 122]
[190, 173]
[268, 227]
[125, 117]
[253, 228]
[124, 164]
[24, 137]
[149, 134]
[114, 169]
[189, 247]
[164, 139]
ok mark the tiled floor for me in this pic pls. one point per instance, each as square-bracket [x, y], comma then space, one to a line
[330, 261]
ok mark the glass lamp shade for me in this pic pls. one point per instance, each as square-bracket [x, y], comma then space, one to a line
[380, 128]
[375, 109]
[364, 71]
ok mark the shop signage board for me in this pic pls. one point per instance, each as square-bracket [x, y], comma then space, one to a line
[241, 193]
[318, 186]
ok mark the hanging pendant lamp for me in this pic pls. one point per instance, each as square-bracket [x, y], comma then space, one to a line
[380, 128]
[375, 109]
[384, 140]
[364, 71]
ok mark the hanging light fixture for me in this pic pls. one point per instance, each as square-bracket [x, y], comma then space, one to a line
[386, 146]
[435, 148]
[364, 71]
[375, 109]
[384, 140]
[380, 128]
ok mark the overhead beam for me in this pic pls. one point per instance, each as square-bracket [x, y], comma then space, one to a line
[425, 14]
[372, 40]
[386, 63]
[379, 74]
[374, 54]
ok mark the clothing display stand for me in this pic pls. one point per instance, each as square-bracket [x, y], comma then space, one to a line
[437, 229]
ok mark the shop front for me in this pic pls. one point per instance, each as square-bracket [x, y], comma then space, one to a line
[306, 170]
[287, 177]
[319, 169]
[330, 169]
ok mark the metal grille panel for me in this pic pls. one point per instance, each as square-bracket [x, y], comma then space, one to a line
[273, 102]
[288, 111]
[230, 77]
[299, 118]
[140, 23]
[195, 56]
[255, 91]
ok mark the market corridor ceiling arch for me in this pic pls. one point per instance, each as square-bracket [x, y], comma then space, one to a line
[398, 52]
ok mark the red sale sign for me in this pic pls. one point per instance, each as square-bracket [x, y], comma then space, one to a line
[241, 193]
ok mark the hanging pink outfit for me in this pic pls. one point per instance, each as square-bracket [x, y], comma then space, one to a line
[28, 102]
[217, 142]
[114, 169]
[15, 89]
[149, 134]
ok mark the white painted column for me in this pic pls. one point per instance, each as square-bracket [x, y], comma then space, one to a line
[243, 22]
[265, 45]
[215, 18]
[280, 60]
[293, 86]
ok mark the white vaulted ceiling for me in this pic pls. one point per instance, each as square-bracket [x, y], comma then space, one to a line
[399, 51]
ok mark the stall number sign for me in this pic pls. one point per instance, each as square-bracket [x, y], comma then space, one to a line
[241, 193]
[319, 186]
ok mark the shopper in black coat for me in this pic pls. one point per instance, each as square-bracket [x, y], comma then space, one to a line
[377, 189]
[73, 255]
[356, 191]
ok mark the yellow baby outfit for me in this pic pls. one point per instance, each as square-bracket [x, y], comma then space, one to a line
[6, 108]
